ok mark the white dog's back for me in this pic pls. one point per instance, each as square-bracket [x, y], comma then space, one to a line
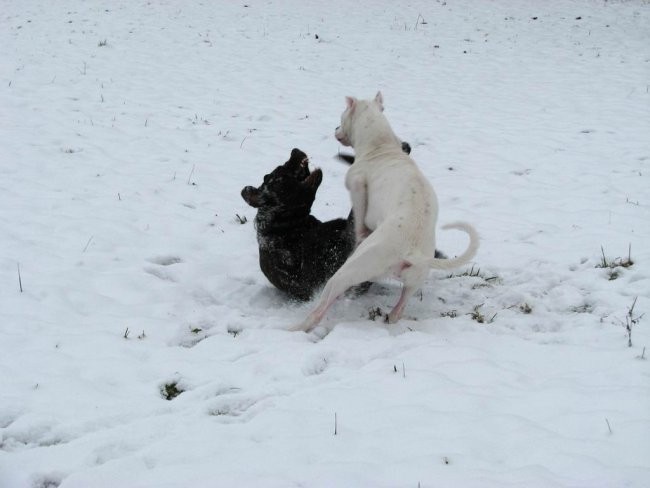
[398, 197]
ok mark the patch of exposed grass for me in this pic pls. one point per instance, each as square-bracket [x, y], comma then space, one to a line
[169, 391]
[479, 317]
[613, 266]
[374, 313]
[452, 314]
[476, 273]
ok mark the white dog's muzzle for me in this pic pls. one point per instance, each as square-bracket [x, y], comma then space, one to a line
[341, 137]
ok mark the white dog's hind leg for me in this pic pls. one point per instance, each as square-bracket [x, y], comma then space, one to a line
[412, 276]
[396, 313]
[368, 262]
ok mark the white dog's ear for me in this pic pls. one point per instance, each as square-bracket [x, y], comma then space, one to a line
[350, 102]
[379, 100]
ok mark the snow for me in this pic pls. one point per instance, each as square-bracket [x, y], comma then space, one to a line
[128, 130]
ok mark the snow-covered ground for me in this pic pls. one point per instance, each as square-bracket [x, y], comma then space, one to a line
[127, 130]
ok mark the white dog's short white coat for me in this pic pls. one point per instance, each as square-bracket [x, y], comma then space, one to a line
[395, 212]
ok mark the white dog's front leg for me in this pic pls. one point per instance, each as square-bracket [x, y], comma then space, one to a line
[359, 197]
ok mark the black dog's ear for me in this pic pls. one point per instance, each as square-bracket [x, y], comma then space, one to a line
[297, 154]
[252, 196]
[297, 157]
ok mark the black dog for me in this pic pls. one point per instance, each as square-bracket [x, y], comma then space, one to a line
[298, 252]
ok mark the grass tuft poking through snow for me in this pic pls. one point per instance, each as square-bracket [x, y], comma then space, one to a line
[169, 391]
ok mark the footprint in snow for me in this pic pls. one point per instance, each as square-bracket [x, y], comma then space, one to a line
[165, 260]
[236, 408]
[30, 433]
[162, 263]
[162, 274]
[51, 480]
[315, 366]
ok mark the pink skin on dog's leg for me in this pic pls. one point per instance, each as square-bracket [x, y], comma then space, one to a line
[413, 276]
[359, 194]
[329, 295]
[396, 313]
[314, 318]
[365, 232]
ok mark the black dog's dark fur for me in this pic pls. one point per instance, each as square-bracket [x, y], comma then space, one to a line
[298, 252]
[349, 158]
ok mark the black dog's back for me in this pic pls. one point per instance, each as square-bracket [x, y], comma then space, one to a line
[301, 260]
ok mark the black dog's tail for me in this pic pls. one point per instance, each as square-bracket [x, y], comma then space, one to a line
[346, 158]
[349, 158]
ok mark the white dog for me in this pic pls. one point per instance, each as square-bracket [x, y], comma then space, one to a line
[395, 212]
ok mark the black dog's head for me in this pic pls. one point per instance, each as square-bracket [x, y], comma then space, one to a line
[289, 189]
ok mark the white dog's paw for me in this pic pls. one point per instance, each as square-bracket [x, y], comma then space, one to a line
[320, 332]
[306, 325]
[297, 328]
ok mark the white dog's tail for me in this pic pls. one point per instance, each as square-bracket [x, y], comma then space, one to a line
[464, 258]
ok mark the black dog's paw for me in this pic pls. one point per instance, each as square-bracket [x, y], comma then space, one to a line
[252, 196]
